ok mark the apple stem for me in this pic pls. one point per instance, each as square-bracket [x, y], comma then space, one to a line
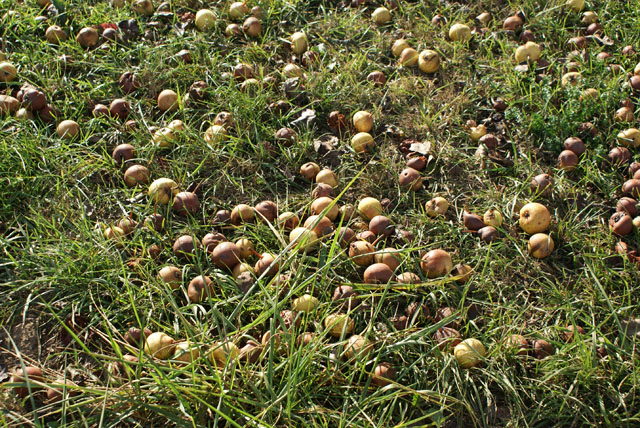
[255, 253]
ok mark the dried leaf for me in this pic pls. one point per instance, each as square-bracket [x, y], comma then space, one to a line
[307, 117]
[324, 145]
[337, 121]
[423, 148]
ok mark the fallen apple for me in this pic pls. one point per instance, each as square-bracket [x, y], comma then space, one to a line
[305, 303]
[143, 7]
[357, 346]
[327, 176]
[361, 252]
[223, 353]
[410, 179]
[408, 57]
[87, 37]
[322, 203]
[381, 16]
[541, 245]
[8, 104]
[168, 100]
[226, 255]
[534, 218]
[172, 276]
[338, 323]
[163, 190]
[136, 175]
[238, 9]
[436, 263]
[362, 142]
[492, 217]
[186, 352]
[428, 61]
[469, 353]
[530, 51]
[298, 43]
[363, 121]
[383, 374]
[252, 27]
[215, 134]
[437, 206]
[369, 207]
[377, 273]
[460, 33]
[399, 46]
[288, 220]
[159, 345]
[68, 129]
[303, 238]
[55, 34]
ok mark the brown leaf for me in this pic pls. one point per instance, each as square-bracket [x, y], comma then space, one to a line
[324, 145]
[337, 121]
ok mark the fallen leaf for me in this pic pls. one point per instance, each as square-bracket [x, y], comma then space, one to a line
[421, 148]
[307, 117]
[324, 145]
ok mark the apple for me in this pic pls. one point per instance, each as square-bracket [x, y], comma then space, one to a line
[534, 218]
[459, 33]
[381, 16]
[436, 207]
[327, 176]
[629, 137]
[530, 51]
[168, 100]
[251, 26]
[238, 9]
[172, 276]
[205, 19]
[55, 34]
[159, 345]
[436, 263]
[305, 303]
[299, 42]
[362, 142]
[571, 78]
[87, 37]
[575, 5]
[363, 121]
[215, 134]
[8, 104]
[135, 175]
[163, 190]
[222, 353]
[320, 204]
[399, 46]
[303, 238]
[428, 61]
[163, 138]
[408, 57]
[540, 245]
[338, 323]
[469, 353]
[492, 217]
[68, 129]
[369, 207]
[143, 7]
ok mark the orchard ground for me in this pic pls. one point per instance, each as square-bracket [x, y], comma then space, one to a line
[70, 295]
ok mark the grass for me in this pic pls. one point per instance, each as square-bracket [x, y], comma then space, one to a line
[69, 295]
